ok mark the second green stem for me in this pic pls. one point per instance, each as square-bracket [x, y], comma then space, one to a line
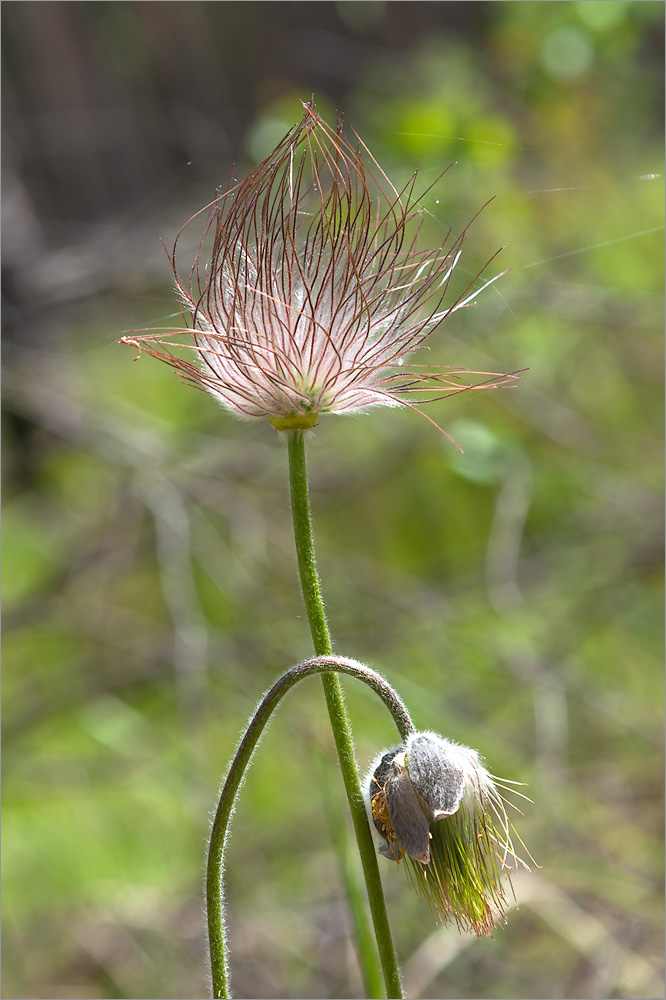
[300, 506]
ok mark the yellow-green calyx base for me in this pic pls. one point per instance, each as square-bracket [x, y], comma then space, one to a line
[295, 421]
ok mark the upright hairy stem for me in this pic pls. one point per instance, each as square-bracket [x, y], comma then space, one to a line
[300, 505]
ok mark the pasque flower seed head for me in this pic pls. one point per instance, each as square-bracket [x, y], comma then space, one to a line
[310, 288]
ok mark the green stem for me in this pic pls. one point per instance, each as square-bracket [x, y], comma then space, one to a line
[234, 778]
[345, 846]
[300, 506]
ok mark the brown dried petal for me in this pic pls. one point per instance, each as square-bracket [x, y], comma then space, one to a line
[409, 822]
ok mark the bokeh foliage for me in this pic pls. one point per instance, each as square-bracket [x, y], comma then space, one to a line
[512, 594]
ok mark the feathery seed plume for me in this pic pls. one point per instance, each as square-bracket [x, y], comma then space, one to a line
[314, 289]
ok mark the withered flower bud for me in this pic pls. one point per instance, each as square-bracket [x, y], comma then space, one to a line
[434, 803]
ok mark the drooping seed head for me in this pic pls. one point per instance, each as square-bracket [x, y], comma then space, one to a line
[434, 804]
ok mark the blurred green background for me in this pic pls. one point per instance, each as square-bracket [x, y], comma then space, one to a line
[512, 594]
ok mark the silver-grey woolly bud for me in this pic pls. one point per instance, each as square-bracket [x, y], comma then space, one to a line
[435, 804]
[435, 773]
[410, 787]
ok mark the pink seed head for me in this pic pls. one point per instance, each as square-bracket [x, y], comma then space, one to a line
[309, 288]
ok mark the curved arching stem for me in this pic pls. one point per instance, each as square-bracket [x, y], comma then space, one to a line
[236, 773]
